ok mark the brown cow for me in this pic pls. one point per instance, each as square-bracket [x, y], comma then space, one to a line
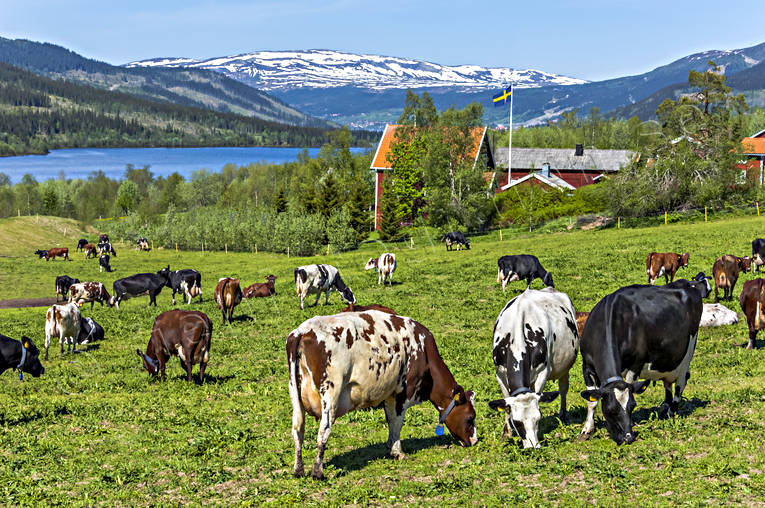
[375, 306]
[185, 333]
[752, 302]
[260, 289]
[228, 295]
[90, 251]
[57, 251]
[666, 264]
[725, 272]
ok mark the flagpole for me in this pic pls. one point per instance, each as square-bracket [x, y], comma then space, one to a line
[510, 141]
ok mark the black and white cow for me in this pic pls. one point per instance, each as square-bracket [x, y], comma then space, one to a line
[63, 283]
[639, 332]
[522, 267]
[103, 263]
[456, 238]
[41, 253]
[20, 355]
[758, 253]
[187, 282]
[311, 279]
[90, 331]
[535, 341]
[140, 284]
[106, 248]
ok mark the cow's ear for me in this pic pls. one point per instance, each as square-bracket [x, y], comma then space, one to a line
[470, 396]
[458, 394]
[498, 405]
[591, 395]
[138, 352]
[548, 396]
[639, 387]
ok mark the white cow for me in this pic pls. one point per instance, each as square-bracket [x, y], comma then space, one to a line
[716, 314]
[535, 340]
[63, 321]
[385, 265]
[311, 279]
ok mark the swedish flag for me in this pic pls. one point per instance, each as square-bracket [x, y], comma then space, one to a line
[503, 97]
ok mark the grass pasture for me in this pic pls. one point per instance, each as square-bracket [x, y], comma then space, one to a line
[95, 429]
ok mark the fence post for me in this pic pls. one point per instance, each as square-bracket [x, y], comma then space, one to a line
[758, 208]
[288, 251]
[618, 223]
[176, 246]
[665, 218]
[411, 242]
[327, 249]
[500, 235]
[225, 246]
[705, 214]
[203, 246]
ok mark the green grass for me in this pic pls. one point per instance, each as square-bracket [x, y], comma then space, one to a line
[98, 430]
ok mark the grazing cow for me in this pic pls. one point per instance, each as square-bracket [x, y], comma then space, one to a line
[92, 292]
[385, 265]
[106, 248]
[63, 283]
[752, 302]
[666, 264]
[90, 331]
[361, 308]
[520, 267]
[456, 238]
[320, 278]
[142, 244]
[57, 251]
[63, 321]
[41, 253]
[103, 263]
[758, 253]
[184, 333]
[228, 294]
[187, 282]
[639, 332]
[20, 355]
[261, 289]
[81, 244]
[716, 314]
[535, 340]
[90, 251]
[358, 360]
[725, 271]
[140, 284]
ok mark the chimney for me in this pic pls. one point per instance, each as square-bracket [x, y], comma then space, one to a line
[579, 150]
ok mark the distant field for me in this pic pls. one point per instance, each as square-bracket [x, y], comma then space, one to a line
[97, 430]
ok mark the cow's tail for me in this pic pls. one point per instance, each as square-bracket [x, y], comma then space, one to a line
[648, 263]
[293, 364]
[757, 321]
[300, 279]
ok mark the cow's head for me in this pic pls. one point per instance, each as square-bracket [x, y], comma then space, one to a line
[547, 280]
[461, 419]
[467, 244]
[41, 253]
[744, 264]
[165, 273]
[617, 398]
[701, 282]
[372, 263]
[684, 259]
[31, 363]
[151, 365]
[347, 295]
[524, 413]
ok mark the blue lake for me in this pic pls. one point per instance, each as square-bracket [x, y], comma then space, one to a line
[81, 162]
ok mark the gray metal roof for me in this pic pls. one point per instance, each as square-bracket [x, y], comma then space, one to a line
[564, 158]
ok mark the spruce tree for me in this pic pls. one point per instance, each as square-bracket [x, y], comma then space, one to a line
[280, 202]
[390, 211]
[358, 208]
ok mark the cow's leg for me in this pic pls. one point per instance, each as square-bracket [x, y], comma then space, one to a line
[173, 296]
[92, 304]
[589, 421]
[563, 389]
[188, 294]
[302, 297]
[298, 420]
[504, 284]
[750, 345]
[162, 359]
[230, 313]
[223, 313]
[316, 302]
[665, 410]
[202, 366]
[325, 427]
[326, 300]
[507, 430]
[47, 344]
[395, 422]
[716, 295]
[61, 340]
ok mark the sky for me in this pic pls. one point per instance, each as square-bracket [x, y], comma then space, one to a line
[591, 40]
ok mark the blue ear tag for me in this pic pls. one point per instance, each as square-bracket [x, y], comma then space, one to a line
[440, 429]
[21, 379]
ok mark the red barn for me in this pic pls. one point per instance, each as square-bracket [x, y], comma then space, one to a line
[753, 148]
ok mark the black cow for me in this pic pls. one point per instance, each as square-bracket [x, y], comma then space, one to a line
[63, 283]
[520, 267]
[81, 244]
[90, 331]
[20, 355]
[103, 263]
[41, 253]
[187, 282]
[758, 253]
[140, 284]
[456, 238]
[639, 331]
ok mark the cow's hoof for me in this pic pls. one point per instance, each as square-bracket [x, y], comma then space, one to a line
[584, 436]
[563, 419]
[750, 346]
[665, 412]
[317, 474]
[298, 472]
[398, 456]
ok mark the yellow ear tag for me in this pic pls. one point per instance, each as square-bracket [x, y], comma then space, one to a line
[26, 344]
[499, 409]
[457, 397]
[593, 399]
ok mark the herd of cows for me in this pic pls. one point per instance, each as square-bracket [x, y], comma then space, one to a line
[369, 356]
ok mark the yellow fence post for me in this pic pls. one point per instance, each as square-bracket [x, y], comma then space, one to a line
[665, 218]
[327, 249]
[705, 214]
[176, 245]
[618, 223]
[225, 246]
[411, 242]
[500, 235]
[758, 208]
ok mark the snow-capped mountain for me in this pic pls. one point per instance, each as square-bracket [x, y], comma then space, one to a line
[290, 70]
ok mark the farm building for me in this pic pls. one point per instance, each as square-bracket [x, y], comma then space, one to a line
[382, 166]
[558, 167]
[754, 150]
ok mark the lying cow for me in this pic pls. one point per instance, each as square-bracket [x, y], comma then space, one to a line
[261, 289]
[456, 238]
[183, 333]
[385, 265]
[639, 332]
[311, 279]
[358, 360]
[187, 282]
[84, 292]
[140, 284]
[522, 267]
[90, 251]
[725, 271]
[20, 355]
[63, 283]
[758, 253]
[57, 251]
[535, 340]
[64, 322]
[666, 264]
[90, 331]
[228, 294]
[81, 244]
[41, 253]
[361, 308]
[752, 302]
[716, 314]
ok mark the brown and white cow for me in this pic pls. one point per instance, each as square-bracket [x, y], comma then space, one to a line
[228, 294]
[90, 251]
[725, 272]
[666, 264]
[63, 321]
[375, 306]
[57, 251]
[182, 333]
[752, 302]
[359, 360]
[385, 265]
[92, 292]
[261, 289]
